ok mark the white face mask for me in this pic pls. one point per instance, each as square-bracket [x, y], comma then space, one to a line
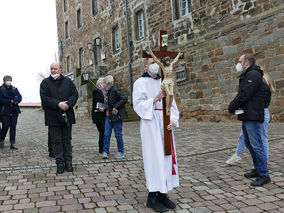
[55, 76]
[8, 83]
[154, 68]
[239, 67]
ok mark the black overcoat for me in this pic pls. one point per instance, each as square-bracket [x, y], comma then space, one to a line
[54, 91]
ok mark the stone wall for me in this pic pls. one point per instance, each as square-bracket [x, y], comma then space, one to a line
[212, 36]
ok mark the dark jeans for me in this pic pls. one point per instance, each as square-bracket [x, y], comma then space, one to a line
[50, 147]
[252, 134]
[101, 128]
[9, 122]
[60, 137]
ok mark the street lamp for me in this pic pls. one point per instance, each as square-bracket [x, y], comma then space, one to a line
[90, 46]
[98, 41]
[86, 78]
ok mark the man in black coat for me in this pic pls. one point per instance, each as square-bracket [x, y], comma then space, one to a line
[114, 102]
[249, 106]
[58, 96]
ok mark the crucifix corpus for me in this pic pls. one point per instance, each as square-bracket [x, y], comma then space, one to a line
[162, 58]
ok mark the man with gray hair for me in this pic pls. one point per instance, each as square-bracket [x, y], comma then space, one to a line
[98, 111]
[115, 114]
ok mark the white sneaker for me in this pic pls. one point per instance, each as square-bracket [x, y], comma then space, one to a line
[104, 155]
[233, 159]
[119, 155]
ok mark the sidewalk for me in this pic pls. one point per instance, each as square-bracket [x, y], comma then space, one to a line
[28, 180]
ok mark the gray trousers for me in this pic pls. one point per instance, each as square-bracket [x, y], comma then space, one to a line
[60, 137]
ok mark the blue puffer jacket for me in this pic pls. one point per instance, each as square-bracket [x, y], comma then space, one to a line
[7, 94]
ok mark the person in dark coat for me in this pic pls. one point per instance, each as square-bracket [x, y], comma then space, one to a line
[58, 97]
[114, 102]
[9, 110]
[98, 112]
[249, 106]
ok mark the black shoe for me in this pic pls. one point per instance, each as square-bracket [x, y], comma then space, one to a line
[68, 166]
[252, 174]
[60, 168]
[261, 181]
[13, 147]
[156, 205]
[51, 155]
[1, 144]
[166, 201]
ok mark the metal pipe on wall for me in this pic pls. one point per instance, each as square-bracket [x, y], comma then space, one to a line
[129, 52]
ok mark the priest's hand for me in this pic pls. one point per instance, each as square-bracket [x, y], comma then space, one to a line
[160, 95]
[170, 126]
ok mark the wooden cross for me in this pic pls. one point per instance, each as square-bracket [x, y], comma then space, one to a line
[162, 54]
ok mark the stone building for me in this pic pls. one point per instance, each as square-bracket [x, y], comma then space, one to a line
[93, 37]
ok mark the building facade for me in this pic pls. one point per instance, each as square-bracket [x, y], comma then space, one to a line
[96, 37]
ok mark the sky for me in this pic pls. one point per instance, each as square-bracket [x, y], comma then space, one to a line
[28, 43]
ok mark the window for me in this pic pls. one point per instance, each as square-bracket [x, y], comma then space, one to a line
[181, 73]
[65, 5]
[79, 18]
[66, 30]
[94, 7]
[184, 5]
[115, 34]
[181, 8]
[81, 58]
[68, 63]
[140, 25]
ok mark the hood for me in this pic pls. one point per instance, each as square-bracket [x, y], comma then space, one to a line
[254, 67]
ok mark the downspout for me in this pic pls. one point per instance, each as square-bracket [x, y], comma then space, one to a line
[129, 52]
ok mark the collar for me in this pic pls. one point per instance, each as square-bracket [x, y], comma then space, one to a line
[146, 74]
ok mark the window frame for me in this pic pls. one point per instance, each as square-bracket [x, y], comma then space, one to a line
[94, 7]
[179, 11]
[81, 58]
[140, 23]
[186, 9]
[67, 30]
[79, 18]
[65, 6]
[116, 39]
[68, 63]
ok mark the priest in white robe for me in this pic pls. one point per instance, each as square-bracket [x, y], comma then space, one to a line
[161, 170]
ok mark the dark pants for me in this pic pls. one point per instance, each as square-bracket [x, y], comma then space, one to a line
[101, 128]
[60, 137]
[9, 122]
[50, 147]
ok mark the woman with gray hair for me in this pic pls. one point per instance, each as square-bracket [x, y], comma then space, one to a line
[98, 111]
[115, 114]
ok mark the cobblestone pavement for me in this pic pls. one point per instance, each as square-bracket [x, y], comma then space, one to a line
[28, 180]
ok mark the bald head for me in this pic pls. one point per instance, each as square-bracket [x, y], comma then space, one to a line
[55, 68]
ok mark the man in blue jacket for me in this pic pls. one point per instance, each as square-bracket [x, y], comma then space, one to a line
[9, 110]
[249, 106]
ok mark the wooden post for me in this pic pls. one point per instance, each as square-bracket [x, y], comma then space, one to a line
[161, 54]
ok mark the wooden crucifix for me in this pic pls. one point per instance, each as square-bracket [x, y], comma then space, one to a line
[163, 53]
